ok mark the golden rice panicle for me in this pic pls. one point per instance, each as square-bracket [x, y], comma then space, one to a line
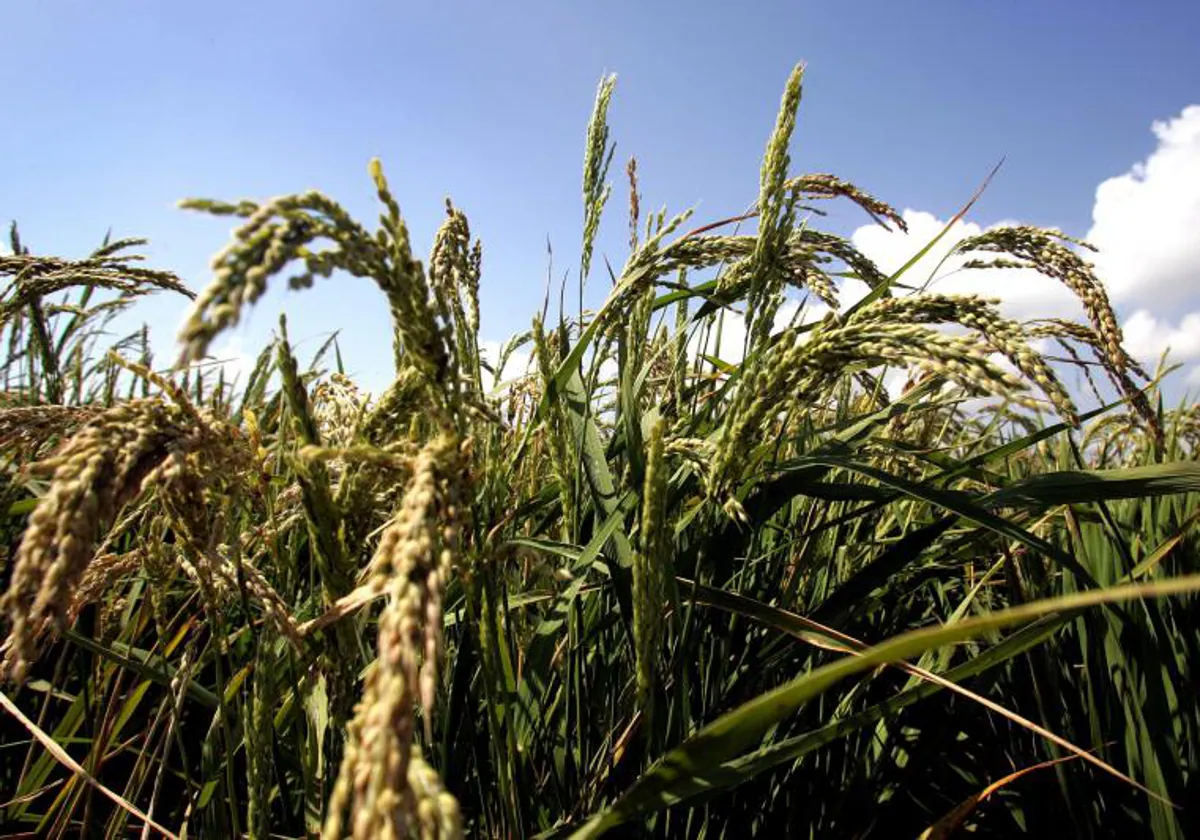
[650, 260]
[773, 204]
[820, 247]
[776, 214]
[557, 429]
[824, 186]
[275, 234]
[455, 265]
[35, 277]
[438, 813]
[454, 269]
[383, 782]
[284, 230]
[800, 367]
[422, 340]
[101, 575]
[26, 429]
[651, 568]
[1046, 251]
[597, 156]
[102, 467]
[980, 314]
[798, 263]
[338, 407]
[256, 586]
[387, 418]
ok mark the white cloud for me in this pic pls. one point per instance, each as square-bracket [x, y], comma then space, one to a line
[1146, 222]
[850, 292]
[230, 355]
[896, 380]
[609, 370]
[516, 365]
[228, 352]
[733, 330]
[1146, 336]
[1146, 225]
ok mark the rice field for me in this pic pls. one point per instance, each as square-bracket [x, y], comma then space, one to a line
[898, 566]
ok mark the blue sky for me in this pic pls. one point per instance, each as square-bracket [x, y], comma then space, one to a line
[118, 109]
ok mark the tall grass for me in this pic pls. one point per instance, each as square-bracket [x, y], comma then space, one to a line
[636, 587]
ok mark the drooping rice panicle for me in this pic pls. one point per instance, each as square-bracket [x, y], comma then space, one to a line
[104, 465]
[411, 566]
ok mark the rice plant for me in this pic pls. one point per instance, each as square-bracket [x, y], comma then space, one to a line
[648, 586]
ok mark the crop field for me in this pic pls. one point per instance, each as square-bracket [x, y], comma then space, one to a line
[895, 566]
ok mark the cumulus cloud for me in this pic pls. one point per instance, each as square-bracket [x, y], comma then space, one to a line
[236, 361]
[733, 331]
[516, 365]
[1147, 337]
[1146, 222]
[1146, 225]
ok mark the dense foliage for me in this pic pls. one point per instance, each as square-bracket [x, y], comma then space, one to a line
[637, 585]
